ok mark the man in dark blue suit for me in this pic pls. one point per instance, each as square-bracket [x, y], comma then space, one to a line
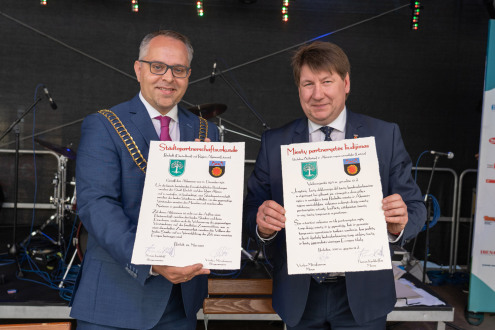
[113, 293]
[352, 300]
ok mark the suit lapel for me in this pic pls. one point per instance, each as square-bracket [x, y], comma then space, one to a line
[354, 128]
[142, 120]
[186, 125]
[301, 134]
[140, 117]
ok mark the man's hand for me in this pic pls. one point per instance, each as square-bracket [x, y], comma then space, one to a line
[395, 213]
[270, 218]
[206, 140]
[180, 274]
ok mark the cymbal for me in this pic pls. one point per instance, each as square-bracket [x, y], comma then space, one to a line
[67, 152]
[208, 110]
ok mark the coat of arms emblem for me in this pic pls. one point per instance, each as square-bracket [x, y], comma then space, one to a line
[309, 170]
[352, 166]
[177, 167]
[217, 168]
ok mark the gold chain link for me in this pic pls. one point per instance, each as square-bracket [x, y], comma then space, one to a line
[126, 138]
[203, 128]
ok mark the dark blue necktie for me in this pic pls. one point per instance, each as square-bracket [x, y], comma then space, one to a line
[320, 277]
[327, 131]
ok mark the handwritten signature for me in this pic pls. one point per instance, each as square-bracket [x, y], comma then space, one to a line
[153, 251]
[221, 252]
[370, 255]
[324, 256]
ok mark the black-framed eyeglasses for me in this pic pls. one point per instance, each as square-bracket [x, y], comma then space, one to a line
[159, 68]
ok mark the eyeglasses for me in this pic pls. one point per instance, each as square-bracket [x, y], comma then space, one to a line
[159, 68]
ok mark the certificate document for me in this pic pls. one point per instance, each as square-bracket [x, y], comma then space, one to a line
[333, 202]
[191, 211]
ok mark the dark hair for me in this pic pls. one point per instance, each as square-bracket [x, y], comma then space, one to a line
[320, 56]
[143, 48]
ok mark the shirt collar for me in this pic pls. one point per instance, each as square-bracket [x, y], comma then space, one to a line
[338, 123]
[173, 113]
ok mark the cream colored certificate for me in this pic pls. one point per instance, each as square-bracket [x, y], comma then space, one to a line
[191, 211]
[333, 202]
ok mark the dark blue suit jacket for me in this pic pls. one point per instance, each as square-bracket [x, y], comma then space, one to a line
[371, 294]
[110, 290]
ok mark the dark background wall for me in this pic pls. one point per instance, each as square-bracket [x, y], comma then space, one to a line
[429, 81]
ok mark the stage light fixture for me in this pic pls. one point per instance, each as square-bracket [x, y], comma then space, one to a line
[285, 10]
[416, 11]
[43, 2]
[200, 9]
[135, 6]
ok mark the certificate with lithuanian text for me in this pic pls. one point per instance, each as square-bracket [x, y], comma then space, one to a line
[191, 211]
[333, 202]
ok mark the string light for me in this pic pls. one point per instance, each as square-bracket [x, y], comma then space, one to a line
[200, 8]
[285, 10]
[416, 10]
[135, 6]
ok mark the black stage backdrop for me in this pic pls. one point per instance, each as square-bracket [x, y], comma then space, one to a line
[429, 81]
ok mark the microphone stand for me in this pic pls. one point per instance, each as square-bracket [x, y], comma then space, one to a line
[265, 126]
[428, 202]
[13, 247]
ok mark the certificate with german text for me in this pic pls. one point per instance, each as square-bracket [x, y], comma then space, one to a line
[191, 211]
[333, 202]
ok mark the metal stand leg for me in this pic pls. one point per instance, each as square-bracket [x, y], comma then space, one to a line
[13, 248]
[58, 199]
[428, 200]
[68, 268]
[205, 320]
[40, 231]
[427, 239]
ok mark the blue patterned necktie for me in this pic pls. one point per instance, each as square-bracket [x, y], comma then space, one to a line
[327, 131]
[320, 277]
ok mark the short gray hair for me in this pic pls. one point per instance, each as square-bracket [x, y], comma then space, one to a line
[143, 48]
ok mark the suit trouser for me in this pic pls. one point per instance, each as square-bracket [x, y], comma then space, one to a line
[174, 317]
[328, 308]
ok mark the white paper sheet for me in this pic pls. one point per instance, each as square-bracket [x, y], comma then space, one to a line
[191, 210]
[405, 290]
[418, 297]
[333, 202]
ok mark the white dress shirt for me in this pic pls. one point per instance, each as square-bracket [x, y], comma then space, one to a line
[338, 125]
[173, 114]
